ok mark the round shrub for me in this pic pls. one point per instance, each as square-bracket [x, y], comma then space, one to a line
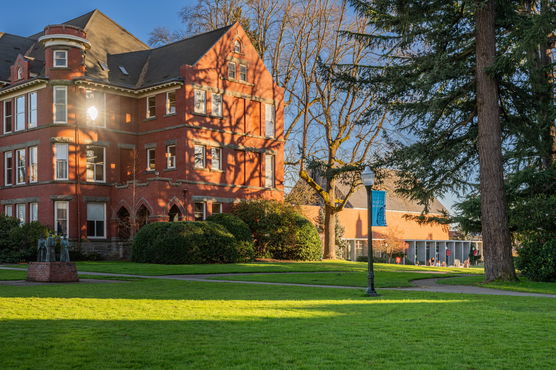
[537, 260]
[279, 231]
[233, 224]
[186, 243]
[306, 243]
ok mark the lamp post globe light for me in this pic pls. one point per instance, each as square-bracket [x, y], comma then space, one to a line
[368, 179]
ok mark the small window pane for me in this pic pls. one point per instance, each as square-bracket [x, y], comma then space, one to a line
[151, 106]
[171, 103]
[217, 105]
[199, 156]
[60, 58]
[216, 208]
[151, 160]
[243, 72]
[216, 158]
[199, 211]
[200, 101]
[232, 71]
[171, 156]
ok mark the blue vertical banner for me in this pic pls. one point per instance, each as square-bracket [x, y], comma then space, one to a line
[379, 208]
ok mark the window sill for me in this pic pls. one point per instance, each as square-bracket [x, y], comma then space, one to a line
[169, 169]
[169, 115]
[66, 68]
[202, 169]
[149, 119]
[216, 170]
[206, 115]
[238, 81]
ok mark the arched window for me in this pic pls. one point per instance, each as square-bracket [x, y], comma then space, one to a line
[237, 47]
[174, 214]
[19, 73]
[124, 226]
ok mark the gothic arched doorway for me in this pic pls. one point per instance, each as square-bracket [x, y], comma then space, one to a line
[174, 214]
[124, 224]
[142, 217]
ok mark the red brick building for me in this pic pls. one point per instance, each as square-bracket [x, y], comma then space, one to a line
[101, 134]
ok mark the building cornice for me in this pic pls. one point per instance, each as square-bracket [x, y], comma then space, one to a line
[30, 85]
[131, 92]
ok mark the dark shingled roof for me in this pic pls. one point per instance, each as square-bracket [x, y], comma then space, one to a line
[10, 47]
[113, 46]
[146, 68]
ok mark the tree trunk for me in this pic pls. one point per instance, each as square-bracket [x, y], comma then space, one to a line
[329, 233]
[494, 219]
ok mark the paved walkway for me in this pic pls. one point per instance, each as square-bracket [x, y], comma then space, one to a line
[421, 285]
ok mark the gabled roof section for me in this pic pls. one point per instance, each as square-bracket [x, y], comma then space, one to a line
[10, 47]
[162, 63]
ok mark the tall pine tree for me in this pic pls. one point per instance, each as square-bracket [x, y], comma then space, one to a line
[429, 82]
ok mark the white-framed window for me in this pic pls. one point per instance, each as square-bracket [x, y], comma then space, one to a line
[270, 116]
[20, 113]
[8, 168]
[20, 166]
[242, 72]
[33, 212]
[171, 156]
[61, 152]
[8, 116]
[151, 106]
[171, 102]
[200, 103]
[217, 105]
[61, 217]
[8, 210]
[216, 154]
[96, 220]
[33, 164]
[151, 159]
[199, 211]
[269, 171]
[96, 169]
[237, 47]
[216, 208]
[95, 108]
[60, 104]
[232, 70]
[199, 156]
[20, 212]
[32, 121]
[60, 59]
[19, 73]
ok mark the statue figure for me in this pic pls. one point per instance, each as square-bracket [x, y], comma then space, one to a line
[64, 251]
[42, 251]
[50, 251]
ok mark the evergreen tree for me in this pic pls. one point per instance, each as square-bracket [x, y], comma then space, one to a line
[428, 82]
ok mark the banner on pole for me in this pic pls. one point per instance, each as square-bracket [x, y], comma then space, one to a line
[379, 208]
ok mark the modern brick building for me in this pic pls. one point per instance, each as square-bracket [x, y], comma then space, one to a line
[101, 134]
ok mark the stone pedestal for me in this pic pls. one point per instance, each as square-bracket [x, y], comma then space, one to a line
[52, 272]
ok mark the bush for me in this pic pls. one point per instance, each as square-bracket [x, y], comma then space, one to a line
[234, 225]
[18, 242]
[279, 231]
[537, 260]
[188, 243]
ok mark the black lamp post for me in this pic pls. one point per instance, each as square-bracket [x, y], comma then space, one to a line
[368, 178]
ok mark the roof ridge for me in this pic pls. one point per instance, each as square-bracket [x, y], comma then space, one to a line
[192, 37]
[96, 12]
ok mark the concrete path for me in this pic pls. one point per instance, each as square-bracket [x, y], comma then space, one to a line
[421, 285]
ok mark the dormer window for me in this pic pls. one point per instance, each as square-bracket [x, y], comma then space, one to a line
[19, 73]
[60, 58]
[237, 47]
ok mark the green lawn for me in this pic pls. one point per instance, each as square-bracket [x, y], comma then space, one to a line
[176, 324]
[523, 285]
[383, 279]
[153, 269]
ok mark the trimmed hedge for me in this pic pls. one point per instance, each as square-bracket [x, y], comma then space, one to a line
[188, 243]
[279, 230]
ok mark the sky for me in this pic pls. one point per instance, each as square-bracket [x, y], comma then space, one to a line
[137, 16]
